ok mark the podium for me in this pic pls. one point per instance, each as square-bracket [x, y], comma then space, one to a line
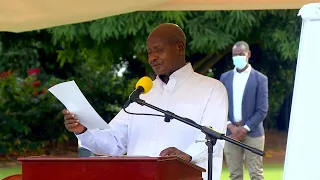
[109, 168]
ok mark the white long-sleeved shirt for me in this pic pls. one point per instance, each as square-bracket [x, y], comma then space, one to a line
[187, 94]
[239, 83]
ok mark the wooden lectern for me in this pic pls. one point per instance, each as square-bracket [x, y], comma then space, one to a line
[109, 168]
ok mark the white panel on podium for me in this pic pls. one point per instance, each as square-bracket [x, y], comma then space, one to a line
[303, 146]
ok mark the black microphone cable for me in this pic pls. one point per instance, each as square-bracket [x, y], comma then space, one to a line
[142, 114]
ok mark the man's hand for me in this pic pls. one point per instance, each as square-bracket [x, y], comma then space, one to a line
[237, 137]
[242, 131]
[172, 151]
[72, 123]
[234, 132]
[237, 133]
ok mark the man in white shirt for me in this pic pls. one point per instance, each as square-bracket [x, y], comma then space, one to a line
[248, 106]
[177, 88]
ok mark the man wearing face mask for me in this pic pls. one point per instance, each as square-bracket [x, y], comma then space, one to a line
[248, 106]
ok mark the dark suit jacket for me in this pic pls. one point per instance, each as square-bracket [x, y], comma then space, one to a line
[254, 101]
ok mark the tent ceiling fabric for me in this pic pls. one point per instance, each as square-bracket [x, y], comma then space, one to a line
[231, 4]
[26, 15]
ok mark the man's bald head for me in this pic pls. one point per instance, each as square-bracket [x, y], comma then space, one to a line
[166, 49]
[171, 32]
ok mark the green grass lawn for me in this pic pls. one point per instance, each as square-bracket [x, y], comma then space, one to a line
[272, 172]
[4, 172]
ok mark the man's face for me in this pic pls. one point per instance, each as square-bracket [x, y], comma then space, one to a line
[162, 56]
[240, 50]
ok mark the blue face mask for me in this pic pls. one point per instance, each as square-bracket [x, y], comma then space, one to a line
[240, 61]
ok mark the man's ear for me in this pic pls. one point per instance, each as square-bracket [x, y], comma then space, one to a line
[180, 47]
[249, 54]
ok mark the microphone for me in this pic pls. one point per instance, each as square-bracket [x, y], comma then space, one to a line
[143, 86]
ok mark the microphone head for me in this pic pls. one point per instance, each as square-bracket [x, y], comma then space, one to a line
[146, 83]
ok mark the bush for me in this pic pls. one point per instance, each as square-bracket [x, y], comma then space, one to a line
[30, 116]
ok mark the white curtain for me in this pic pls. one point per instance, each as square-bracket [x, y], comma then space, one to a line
[303, 145]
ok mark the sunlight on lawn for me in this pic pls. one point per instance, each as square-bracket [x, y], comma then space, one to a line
[5, 172]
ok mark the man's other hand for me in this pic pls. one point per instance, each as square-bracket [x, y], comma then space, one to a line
[242, 131]
[237, 133]
[172, 151]
[72, 123]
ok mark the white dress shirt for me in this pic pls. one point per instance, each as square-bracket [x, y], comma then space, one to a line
[239, 83]
[187, 94]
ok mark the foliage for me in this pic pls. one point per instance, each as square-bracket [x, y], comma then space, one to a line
[26, 122]
[104, 89]
[207, 32]
[30, 116]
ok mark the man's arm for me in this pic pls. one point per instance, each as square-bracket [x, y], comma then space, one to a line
[108, 141]
[215, 115]
[262, 104]
[222, 77]
[229, 123]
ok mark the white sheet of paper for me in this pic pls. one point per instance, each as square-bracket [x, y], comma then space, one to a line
[69, 94]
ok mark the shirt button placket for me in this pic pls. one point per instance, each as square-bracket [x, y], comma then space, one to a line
[164, 100]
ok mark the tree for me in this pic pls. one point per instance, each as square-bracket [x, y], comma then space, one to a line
[210, 36]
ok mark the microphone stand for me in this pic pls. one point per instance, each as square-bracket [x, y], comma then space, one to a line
[211, 135]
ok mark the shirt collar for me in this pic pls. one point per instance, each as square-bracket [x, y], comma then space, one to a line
[179, 75]
[248, 70]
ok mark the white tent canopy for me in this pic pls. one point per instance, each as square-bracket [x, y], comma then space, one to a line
[26, 15]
